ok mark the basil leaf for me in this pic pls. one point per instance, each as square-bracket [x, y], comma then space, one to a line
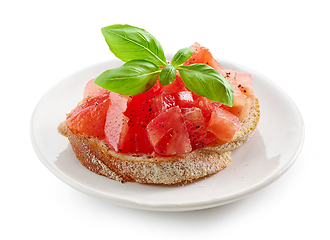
[132, 78]
[208, 82]
[132, 43]
[167, 75]
[181, 56]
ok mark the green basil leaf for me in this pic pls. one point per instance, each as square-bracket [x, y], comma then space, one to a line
[181, 56]
[208, 82]
[167, 75]
[132, 78]
[131, 43]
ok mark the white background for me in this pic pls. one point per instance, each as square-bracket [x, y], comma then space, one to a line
[42, 42]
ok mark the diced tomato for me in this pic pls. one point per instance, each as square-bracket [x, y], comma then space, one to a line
[165, 120]
[101, 91]
[89, 117]
[156, 105]
[239, 107]
[140, 112]
[168, 100]
[168, 134]
[247, 107]
[207, 106]
[223, 124]
[243, 80]
[184, 99]
[164, 101]
[203, 55]
[116, 125]
[157, 88]
[242, 104]
[176, 86]
[91, 88]
[87, 102]
[195, 124]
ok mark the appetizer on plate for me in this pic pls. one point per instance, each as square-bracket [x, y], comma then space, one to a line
[159, 122]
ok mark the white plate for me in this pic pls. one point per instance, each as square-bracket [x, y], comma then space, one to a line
[263, 159]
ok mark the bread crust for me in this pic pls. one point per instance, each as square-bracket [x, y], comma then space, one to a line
[98, 158]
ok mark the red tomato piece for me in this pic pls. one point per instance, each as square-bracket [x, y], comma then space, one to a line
[184, 99]
[164, 101]
[87, 102]
[203, 55]
[168, 134]
[223, 124]
[195, 124]
[91, 88]
[176, 86]
[89, 117]
[116, 125]
[242, 105]
[207, 106]
[243, 81]
[140, 112]
[168, 120]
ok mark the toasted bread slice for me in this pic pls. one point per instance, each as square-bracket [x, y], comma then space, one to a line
[142, 168]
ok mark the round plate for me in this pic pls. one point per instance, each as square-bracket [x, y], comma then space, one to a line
[264, 158]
